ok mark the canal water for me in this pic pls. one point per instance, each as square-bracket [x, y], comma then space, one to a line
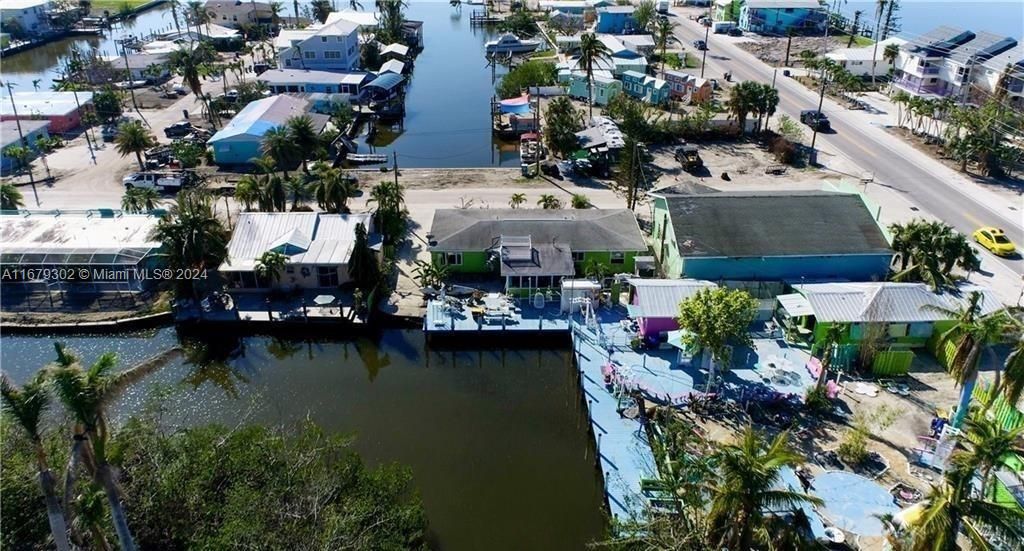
[496, 439]
[447, 124]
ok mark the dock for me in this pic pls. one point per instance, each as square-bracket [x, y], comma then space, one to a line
[482, 18]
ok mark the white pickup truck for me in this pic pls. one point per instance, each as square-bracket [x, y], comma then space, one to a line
[155, 180]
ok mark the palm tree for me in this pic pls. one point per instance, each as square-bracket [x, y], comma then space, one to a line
[355, 5]
[742, 101]
[275, 193]
[592, 51]
[879, 12]
[951, 506]
[580, 201]
[662, 37]
[27, 406]
[644, 15]
[901, 99]
[833, 337]
[175, 6]
[390, 215]
[517, 200]
[248, 191]
[299, 191]
[748, 485]
[192, 236]
[549, 202]
[193, 64]
[278, 145]
[321, 9]
[304, 136]
[457, 4]
[1010, 384]
[332, 189]
[10, 197]
[132, 137]
[92, 515]
[971, 334]
[137, 200]
[988, 445]
[270, 266]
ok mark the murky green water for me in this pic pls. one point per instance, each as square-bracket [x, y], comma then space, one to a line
[496, 439]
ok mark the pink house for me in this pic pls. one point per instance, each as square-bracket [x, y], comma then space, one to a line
[655, 302]
[686, 87]
[60, 108]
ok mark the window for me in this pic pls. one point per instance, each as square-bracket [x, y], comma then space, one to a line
[323, 39]
[327, 276]
[309, 55]
[332, 54]
[618, 258]
[577, 256]
[453, 259]
[897, 330]
[287, 63]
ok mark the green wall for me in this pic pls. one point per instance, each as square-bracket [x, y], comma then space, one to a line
[472, 263]
[663, 240]
[908, 341]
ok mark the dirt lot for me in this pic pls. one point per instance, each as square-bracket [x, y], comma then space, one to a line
[772, 50]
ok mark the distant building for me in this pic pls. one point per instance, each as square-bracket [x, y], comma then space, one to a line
[615, 19]
[332, 47]
[28, 16]
[239, 142]
[949, 61]
[688, 88]
[142, 66]
[858, 61]
[366, 21]
[614, 65]
[318, 247]
[9, 137]
[645, 87]
[113, 247]
[233, 13]
[1006, 70]
[59, 108]
[779, 16]
[296, 81]
[533, 248]
[392, 66]
[769, 236]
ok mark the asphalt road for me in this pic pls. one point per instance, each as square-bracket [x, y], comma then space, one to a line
[893, 163]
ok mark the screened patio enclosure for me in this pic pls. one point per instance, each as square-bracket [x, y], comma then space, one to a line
[530, 267]
[80, 269]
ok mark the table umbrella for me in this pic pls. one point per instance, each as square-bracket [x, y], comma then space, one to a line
[323, 300]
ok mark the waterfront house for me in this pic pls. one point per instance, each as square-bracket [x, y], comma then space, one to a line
[947, 61]
[28, 16]
[534, 249]
[688, 88]
[858, 61]
[318, 247]
[240, 140]
[332, 47]
[9, 137]
[769, 236]
[295, 81]
[645, 87]
[385, 87]
[234, 13]
[392, 66]
[59, 108]
[605, 86]
[777, 17]
[987, 78]
[573, 6]
[395, 51]
[142, 66]
[113, 247]
[615, 65]
[412, 33]
[655, 302]
[615, 19]
[909, 313]
[366, 21]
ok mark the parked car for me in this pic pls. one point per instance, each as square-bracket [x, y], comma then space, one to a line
[995, 240]
[180, 90]
[689, 156]
[178, 130]
[109, 132]
[155, 180]
[231, 96]
[815, 119]
[700, 44]
[735, 31]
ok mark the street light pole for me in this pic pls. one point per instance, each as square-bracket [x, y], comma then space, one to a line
[24, 142]
[821, 98]
[704, 58]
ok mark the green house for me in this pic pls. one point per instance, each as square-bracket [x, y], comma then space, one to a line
[533, 249]
[906, 315]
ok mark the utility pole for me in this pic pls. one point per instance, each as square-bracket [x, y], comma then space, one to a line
[88, 138]
[131, 89]
[704, 58]
[395, 156]
[821, 100]
[540, 141]
[24, 142]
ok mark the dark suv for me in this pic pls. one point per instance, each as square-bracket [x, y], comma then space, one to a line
[178, 130]
[815, 119]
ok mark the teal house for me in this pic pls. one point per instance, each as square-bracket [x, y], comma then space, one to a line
[605, 87]
[645, 87]
[777, 17]
[530, 249]
[769, 236]
[615, 19]
[239, 142]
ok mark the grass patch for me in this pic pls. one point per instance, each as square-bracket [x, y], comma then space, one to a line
[858, 41]
[692, 61]
[113, 6]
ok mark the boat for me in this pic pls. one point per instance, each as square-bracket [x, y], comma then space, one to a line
[126, 84]
[510, 43]
[530, 148]
[367, 158]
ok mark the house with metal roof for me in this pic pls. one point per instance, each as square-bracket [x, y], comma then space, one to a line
[385, 86]
[863, 61]
[99, 250]
[392, 66]
[240, 140]
[534, 248]
[395, 51]
[10, 137]
[62, 109]
[318, 247]
[905, 314]
[333, 46]
[645, 87]
[654, 303]
[779, 16]
[769, 236]
[298, 81]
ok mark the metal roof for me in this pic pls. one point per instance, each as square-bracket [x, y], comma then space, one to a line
[784, 4]
[660, 298]
[459, 230]
[396, 48]
[44, 103]
[308, 238]
[796, 305]
[296, 76]
[261, 115]
[886, 302]
[386, 81]
[984, 46]
[392, 66]
[9, 130]
[101, 236]
[617, 9]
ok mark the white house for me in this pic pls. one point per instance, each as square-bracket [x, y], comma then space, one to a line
[232, 13]
[1010, 62]
[858, 61]
[365, 20]
[318, 247]
[333, 46]
[948, 62]
[29, 15]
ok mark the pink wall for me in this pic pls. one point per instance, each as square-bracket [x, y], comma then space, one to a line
[653, 326]
[59, 124]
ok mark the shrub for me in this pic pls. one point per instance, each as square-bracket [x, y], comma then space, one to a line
[783, 150]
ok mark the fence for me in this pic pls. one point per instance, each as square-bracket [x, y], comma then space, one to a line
[1004, 413]
[892, 362]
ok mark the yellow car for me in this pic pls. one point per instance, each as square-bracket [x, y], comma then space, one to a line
[995, 240]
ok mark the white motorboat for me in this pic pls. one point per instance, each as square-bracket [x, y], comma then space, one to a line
[510, 43]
